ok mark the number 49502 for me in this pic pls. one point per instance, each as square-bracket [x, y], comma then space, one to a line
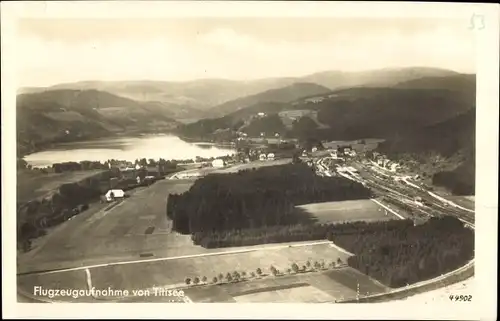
[461, 298]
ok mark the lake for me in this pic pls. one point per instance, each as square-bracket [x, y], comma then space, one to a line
[126, 148]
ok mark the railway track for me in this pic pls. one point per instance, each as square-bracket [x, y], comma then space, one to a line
[404, 192]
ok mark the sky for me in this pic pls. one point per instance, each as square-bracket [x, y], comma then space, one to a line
[52, 51]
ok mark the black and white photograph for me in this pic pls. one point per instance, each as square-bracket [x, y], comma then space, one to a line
[251, 158]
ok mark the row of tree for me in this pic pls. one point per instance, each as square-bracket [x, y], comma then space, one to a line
[410, 253]
[237, 276]
[256, 198]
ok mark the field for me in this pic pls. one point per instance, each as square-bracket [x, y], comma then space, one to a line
[31, 184]
[370, 144]
[116, 234]
[345, 211]
[255, 164]
[312, 287]
[114, 111]
[65, 116]
[193, 173]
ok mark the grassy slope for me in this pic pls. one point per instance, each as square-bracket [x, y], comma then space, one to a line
[280, 95]
[42, 118]
[362, 112]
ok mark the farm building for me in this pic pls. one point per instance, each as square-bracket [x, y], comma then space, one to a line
[218, 163]
[262, 157]
[270, 156]
[113, 194]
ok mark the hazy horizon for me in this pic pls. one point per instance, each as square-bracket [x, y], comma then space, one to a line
[57, 51]
[236, 80]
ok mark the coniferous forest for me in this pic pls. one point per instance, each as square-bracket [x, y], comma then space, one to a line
[409, 254]
[256, 198]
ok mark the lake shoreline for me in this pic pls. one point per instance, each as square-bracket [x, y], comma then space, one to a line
[45, 146]
[155, 146]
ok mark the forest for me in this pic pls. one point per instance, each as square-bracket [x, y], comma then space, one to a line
[256, 198]
[288, 233]
[409, 254]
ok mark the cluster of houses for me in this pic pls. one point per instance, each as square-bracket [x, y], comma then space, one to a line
[383, 161]
[264, 157]
[342, 151]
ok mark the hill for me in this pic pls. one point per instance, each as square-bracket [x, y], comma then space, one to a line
[386, 77]
[443, 151]
[203, 94]
[385, 112]
[280, 95]
[68, 115]
[360, 112]
[199, 95]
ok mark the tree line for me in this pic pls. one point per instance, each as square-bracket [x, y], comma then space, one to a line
[290, 233]
[163, 165]
[256, 198]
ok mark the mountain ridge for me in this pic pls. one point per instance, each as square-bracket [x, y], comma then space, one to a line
[203, 94]
[361, 112]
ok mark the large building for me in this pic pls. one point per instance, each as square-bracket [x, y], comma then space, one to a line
[114, 194]
[218, 163]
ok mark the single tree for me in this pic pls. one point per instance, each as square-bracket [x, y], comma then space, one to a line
[252, 274]
[196, 280]
[214, 280]
[322, 264]
[295, 267]
[317, 265]
[188, 281]
[308, 264]
[289, 270]
[236, 275]
[259, 271]
[243, 274]
[221, 276]
[339, 261]
[229, 277]
[204, 279]
[331, 264]
[304, 268]
[272, 269]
